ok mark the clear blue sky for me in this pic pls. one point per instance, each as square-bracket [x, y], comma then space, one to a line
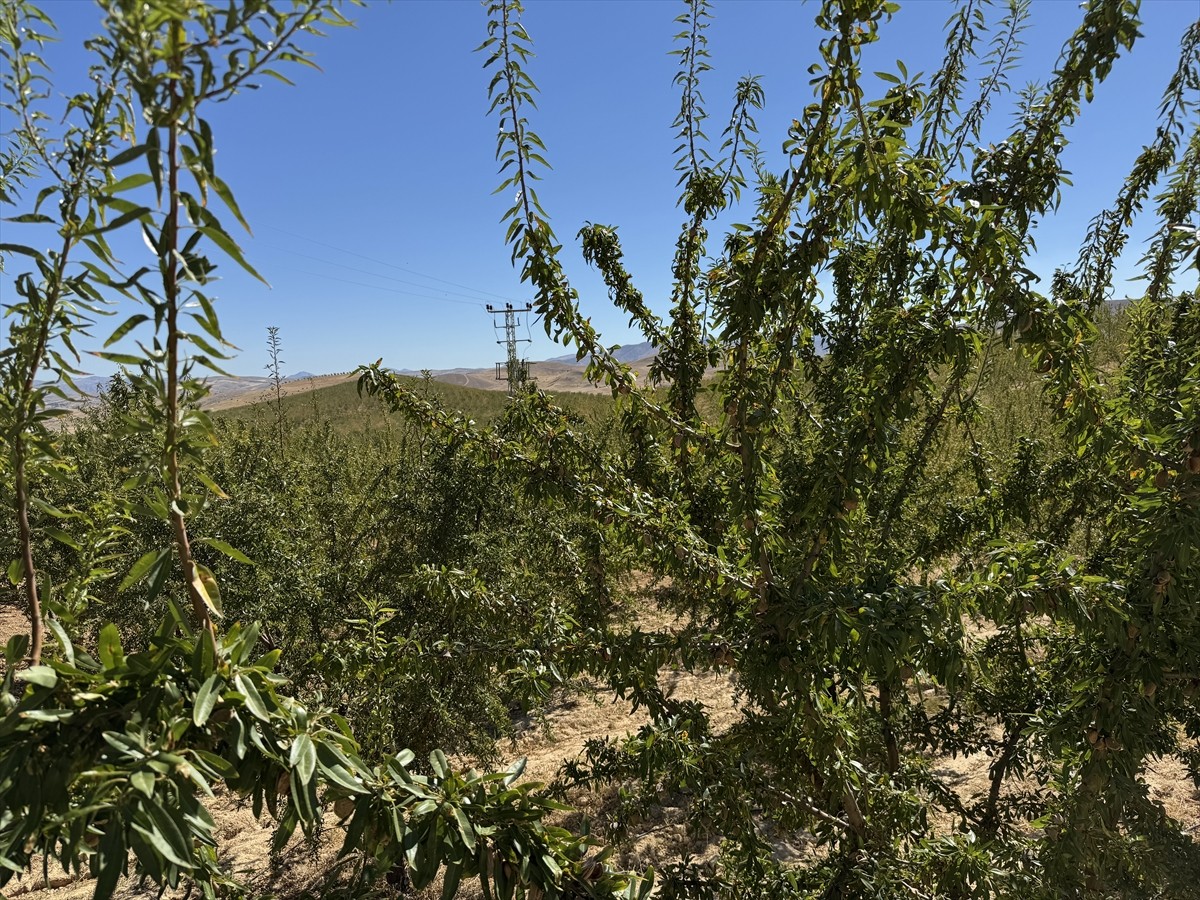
[367, 182]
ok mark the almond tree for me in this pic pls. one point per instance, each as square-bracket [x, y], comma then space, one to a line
[107, 757]
[793, 521]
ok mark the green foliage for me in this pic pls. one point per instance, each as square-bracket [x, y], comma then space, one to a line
[937, 512]
[343, 408]
[366, 567]
[882, 505]
[275, 373]
[112, 753]
[149, 731]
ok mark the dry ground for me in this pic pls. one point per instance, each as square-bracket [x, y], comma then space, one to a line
[254, 391]
[557, 736]
[554, 377]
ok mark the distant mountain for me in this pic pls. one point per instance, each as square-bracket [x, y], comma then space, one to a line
[299, 375]
[627, 354]
[221, 388]
[91, 385]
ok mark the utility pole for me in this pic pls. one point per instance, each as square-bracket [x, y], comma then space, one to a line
[515, 370]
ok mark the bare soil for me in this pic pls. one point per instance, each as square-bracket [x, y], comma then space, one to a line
[559, 735]
[231, 396]
[555, 377]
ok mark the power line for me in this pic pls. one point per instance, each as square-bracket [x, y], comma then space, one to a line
[388, 289]
[381, 262]
[478, 301]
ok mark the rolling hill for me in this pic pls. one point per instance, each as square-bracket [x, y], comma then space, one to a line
[339, 404]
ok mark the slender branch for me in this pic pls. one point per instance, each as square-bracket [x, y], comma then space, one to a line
[812, 809]
[518, 131]
[691, 79]
[37, 628]
[273, 48]
[997, 771]
[171, 297]
[889, 733]
[994, 81]
[948, 82]
[918, 460]
[27, 401]
[854, 814]
[767, 233]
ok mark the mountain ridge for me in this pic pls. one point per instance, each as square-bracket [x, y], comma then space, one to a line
[626, 353]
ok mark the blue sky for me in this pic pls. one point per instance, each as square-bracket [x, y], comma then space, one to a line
[369, 185]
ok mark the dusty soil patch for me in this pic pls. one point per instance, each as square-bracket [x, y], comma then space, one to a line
[560, 735]
[253, 392]
[12, 621]
[245, 844]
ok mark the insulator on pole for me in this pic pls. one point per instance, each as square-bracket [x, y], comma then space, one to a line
[514, 369]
